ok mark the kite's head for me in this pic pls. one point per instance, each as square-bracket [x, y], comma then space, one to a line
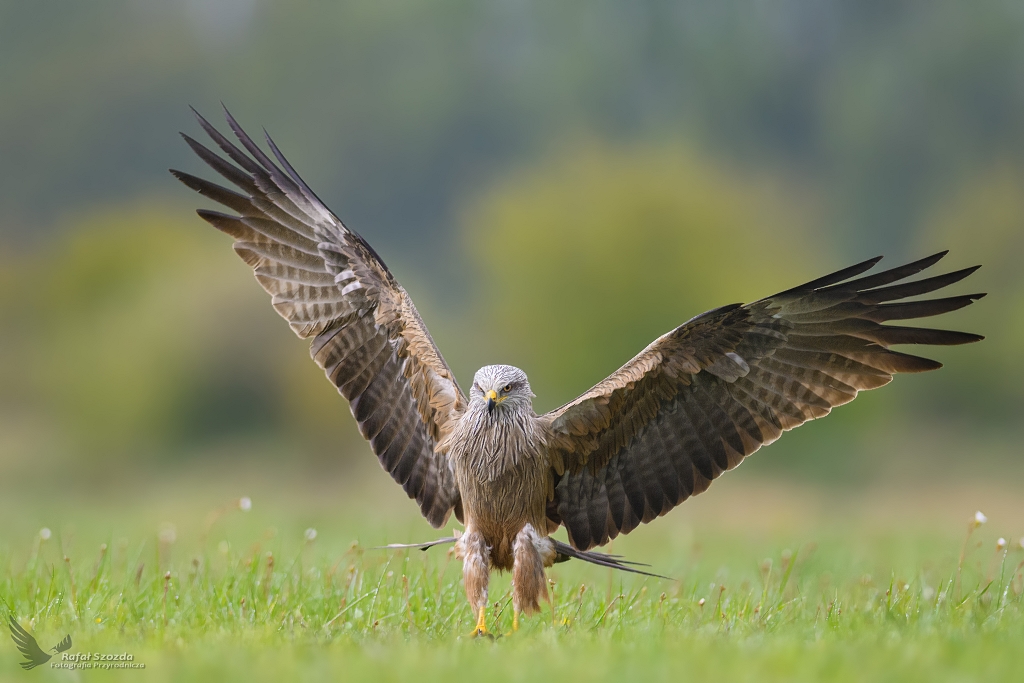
[501, 387]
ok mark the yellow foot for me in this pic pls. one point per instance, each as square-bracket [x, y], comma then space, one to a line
[515, 622]
[481, 625]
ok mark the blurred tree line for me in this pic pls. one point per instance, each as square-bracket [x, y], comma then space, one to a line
[398, 111]
[531, 171]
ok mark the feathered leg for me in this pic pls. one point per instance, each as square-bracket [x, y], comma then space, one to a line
[531, 553]
[476, 572]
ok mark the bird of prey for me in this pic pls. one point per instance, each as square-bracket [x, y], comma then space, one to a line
[693, 404]
[34, 655]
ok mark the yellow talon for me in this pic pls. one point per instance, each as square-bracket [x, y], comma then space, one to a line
[481, 625]
[515, 622]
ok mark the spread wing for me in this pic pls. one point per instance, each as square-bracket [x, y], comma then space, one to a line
[27, 645]
[701, 398]
[331, 286]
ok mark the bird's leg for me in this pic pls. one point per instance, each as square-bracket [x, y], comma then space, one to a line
[530, 552]
[476, 571]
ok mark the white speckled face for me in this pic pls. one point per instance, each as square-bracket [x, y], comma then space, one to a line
[501, 387]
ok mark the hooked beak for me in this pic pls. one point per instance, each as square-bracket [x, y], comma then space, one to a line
[492, 396]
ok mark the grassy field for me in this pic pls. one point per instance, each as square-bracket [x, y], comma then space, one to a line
[772, 583]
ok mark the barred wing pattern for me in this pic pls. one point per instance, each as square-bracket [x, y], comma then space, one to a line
[331, 286]
[701, 398]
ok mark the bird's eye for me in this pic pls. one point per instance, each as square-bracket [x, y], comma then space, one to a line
[507, 388]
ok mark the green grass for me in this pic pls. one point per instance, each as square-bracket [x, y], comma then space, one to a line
[246, 595]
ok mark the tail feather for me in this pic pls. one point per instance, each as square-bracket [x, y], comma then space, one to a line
[420, 546]
[563, 553]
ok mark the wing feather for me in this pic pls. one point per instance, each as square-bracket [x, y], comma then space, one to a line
[706, 395]
[333, 288]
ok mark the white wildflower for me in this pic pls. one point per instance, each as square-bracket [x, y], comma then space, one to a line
[245, 503]
[45, 534]
[1001, 543]
[979, 518]
[310, 534]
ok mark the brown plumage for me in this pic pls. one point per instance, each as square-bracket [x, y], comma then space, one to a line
[690, 406]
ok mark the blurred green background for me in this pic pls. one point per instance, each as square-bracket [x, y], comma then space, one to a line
[555, 184]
